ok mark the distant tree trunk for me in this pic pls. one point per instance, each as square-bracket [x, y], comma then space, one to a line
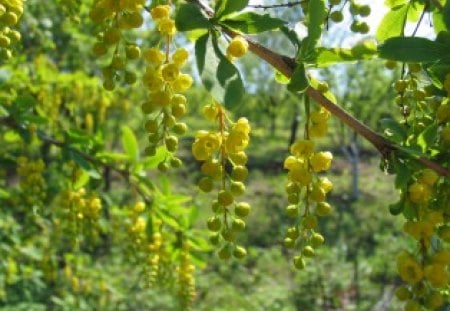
[273, 116]
[351, 152]
[294, 126]
[384, 303]
[356, 280]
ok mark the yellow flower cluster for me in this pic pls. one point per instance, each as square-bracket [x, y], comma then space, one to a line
[116, 16]
[305, 189]
[186, 279]
[420, 191]
[165, 81]
[318, 126]
[160, 262]
[83, 207]
[443, 115]
[32, 183]
[427, 272]
[81, 213]
[161, 15]
[125, 12]
[425, 279]
[10, 13]
[216, 149]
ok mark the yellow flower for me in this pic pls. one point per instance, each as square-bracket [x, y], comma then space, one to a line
[238, 138]
[317, 194]
[205, 144]
[161, 98]
[292, 162]
[320, 116]
[167, 27]
[408, 268]
[437, 275]
[317, 130]
[302, 148]
[182, 83]
[238, 47]
[160, 11]
[442, 257]
[237, 141]
[325, 184]
[300, 175]
[180, 57]
[419, 193]
[154, 56]
[242, 125]
[321, 161]
[170, 72]
[428, 177]
[211, 111]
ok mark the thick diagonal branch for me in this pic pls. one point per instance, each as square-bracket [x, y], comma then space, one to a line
[286, 66]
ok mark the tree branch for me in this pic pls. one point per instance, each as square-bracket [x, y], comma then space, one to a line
[274, 6]
[125, 173]
[286, 66]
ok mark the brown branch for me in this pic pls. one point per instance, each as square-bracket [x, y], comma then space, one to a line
[286, 66]
[274, 6]
[125, 173]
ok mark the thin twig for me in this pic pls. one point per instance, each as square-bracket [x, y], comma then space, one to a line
[274, 6]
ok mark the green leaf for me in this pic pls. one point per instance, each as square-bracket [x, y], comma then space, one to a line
[225, 71]
[331, 56]
[428, 137]
[397, 208]
[193, 215]
[412, 50]
[168, 218]
[393, 130]
[200, 52]
[414, 12]
[130, 144]
[317, 17]
[446, 14]
[82, 180]
[11, 136]
[190, 17]
[4, 194]
[392, 23]
[438, 71]
[281, 78]
[413, 152]
[112, 156]
[299, 81]
[292, 35]
[209, 73]
[403, 173]
[394, 3]
[229, 78]
[409, 210]
[199, 243]
[234, 92]
[84, 164]
[152, 162]
[252, 23]
[225, 7]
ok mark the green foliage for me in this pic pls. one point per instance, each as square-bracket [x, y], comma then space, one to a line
[88, 220]
[190, 17]
[252, 23]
